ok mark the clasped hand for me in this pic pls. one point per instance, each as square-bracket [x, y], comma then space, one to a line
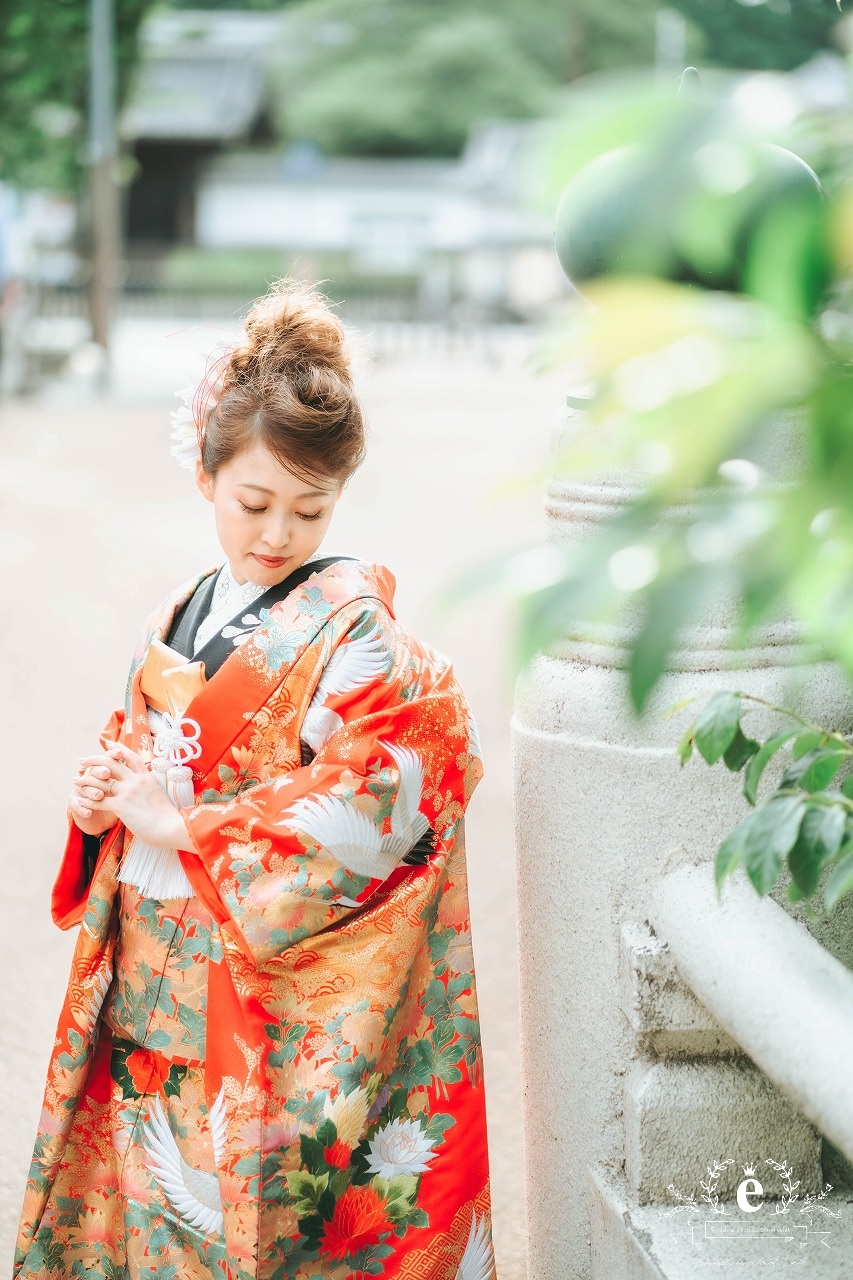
[118, 787]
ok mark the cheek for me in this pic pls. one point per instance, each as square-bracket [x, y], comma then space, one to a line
[229, 522]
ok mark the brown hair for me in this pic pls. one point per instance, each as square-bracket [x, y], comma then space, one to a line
[286, 384]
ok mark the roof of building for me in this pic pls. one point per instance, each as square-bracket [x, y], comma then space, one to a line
[201, 75]
[215, 99]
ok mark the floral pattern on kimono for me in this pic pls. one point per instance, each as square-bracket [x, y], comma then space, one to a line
[304, 1097]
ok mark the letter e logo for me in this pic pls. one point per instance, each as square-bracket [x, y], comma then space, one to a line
[749, 1187]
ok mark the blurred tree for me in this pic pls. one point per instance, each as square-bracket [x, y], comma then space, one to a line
[44, 86]
[603, 36]
[264, 5]
[404, 76]
[423, 96]
[761, 34]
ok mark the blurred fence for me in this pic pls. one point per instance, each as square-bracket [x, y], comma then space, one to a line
[52, 325]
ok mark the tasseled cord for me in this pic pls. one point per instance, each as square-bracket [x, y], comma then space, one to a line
[155, 872]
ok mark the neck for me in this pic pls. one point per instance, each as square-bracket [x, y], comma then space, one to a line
[241, 582]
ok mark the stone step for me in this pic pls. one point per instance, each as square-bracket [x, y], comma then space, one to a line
[681, 1116]
[674, 1240]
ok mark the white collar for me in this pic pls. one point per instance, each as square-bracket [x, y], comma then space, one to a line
[229, 591]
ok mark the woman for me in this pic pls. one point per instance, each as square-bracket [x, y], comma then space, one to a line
[268, 1060]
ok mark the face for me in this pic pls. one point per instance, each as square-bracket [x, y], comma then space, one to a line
[268, 521]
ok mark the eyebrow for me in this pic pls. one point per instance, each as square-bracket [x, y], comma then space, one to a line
[310, 493]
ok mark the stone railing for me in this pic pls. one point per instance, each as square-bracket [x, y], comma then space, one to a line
[664, 1033]
[743, 1029]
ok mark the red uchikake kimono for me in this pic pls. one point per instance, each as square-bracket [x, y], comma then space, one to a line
[280, 1077]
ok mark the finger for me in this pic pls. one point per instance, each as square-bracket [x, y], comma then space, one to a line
[94, 797]
[95, 762]
[130, 759]
[89, 792]
[114, 766]
[91, 779]
[87, 806]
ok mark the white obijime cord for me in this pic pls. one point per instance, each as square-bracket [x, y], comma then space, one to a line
[155, 872]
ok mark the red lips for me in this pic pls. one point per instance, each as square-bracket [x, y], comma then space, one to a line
[271, 562]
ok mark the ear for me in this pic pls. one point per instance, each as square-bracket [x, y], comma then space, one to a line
[204, 482]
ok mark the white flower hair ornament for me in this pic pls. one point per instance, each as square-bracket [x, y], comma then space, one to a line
[196, 403]
[184, 431]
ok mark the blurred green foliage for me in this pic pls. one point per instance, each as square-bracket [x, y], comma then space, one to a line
[690, 388]
[774, 35]
[405, 78]
[44, 86]
[383, 77]
[264, 6]
[722, 417]
[390, 77]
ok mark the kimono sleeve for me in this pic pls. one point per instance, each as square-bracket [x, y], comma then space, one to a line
[292, 856]
[71, 887]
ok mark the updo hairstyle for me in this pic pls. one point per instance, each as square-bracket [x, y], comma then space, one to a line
[287, 384]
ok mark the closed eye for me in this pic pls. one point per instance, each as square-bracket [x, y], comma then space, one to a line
[303, 515]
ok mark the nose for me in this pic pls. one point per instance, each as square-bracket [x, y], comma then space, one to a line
[276, 534]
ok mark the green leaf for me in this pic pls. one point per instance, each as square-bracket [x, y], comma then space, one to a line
[437, 1125]
[677, 707]
[717, 725]
[794, 894]
[813, 771]
[174, 1080]
[306, 1190]
[669, 601]
[847, 787]
[157, 1039]
[312, 1155]
[400, 1194]
[761, 759]
[326, 1132]
[771, 834]
[818, 842]
[840, 881]
[685, 746]
[731, 851]
[805, 742]
[739, 751]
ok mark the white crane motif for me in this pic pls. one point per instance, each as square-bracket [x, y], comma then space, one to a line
[353, 664]
[354, 838]
[474, 739]
[192, 1193]
[478, 1260]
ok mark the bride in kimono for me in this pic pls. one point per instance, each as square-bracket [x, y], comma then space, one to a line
[268, 1060]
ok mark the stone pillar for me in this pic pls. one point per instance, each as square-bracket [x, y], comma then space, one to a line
[602, 808]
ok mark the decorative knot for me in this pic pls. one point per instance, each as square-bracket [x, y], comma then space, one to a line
[176, 743]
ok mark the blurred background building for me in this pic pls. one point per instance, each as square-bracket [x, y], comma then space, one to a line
[391, 151]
